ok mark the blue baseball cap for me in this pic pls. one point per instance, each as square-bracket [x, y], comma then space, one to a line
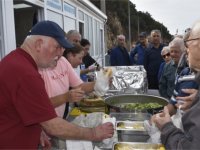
[143, 34]
[51, 29]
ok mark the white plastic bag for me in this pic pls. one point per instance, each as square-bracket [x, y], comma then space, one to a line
[102, 83]
[153, 132]
[176, 119]
[109, 141]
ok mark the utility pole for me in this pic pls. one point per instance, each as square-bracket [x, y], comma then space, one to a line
[129, 25]
[138, 24]
[103, 6]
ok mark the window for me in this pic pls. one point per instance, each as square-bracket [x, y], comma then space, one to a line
[70, 10]
[56, 17]
[56, 4]
[86, 26]
[80, 15]
[69, 24]
[81, 29]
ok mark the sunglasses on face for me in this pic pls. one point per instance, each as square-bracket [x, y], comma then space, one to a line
[166, 55]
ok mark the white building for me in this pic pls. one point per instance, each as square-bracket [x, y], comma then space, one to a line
[18, 16]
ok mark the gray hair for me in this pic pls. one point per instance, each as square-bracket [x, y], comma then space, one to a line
[178, 42]
[121, 36]
[195, 31]
[165, 50]
[72, 32]
[156, 31]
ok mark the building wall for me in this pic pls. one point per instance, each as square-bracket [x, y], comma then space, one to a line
[80, 15]
[7, 42]
[70, 14]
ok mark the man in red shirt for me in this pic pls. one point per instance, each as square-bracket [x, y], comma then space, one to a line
[25, 108]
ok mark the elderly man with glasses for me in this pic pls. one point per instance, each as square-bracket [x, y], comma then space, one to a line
[189, 137]
[167, 80]
[25, 107]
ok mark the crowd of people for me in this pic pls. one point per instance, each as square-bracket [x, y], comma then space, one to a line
[49, 71]
[170, 69]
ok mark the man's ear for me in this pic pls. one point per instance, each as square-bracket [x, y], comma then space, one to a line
[198, 44]
[38, 44]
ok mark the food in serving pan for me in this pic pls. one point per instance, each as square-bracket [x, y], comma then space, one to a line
[130, 125]
[140, 106]
[92, 100]
[138, 146]
[92, 109]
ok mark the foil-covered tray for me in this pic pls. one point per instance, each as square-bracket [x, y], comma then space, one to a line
[129, 79]
[137, 146]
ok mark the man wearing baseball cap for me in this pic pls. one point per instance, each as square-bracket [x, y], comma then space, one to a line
[24, 104]
[137, 53]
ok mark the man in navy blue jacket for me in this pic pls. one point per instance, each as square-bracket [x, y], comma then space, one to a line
[119, 56]
[139, 50]
[153, 59]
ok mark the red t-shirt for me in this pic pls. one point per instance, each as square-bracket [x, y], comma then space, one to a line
[24, 102]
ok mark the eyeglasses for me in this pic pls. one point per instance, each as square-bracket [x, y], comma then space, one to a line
[185, 42]
[166, 55]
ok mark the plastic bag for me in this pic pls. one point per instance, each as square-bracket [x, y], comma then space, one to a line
[108, 142]
[153, 132]
[176, 119]
[92, 120]
[102, 83]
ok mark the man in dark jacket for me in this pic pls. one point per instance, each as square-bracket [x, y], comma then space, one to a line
[139, 50]
[119, 56]
[153, 59]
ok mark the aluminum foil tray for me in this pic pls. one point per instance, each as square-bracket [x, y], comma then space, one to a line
[129, 79]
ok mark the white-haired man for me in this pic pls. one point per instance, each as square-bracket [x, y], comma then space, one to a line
[167, 80]
[25, 106]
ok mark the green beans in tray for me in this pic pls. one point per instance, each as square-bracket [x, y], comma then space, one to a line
[140, 106]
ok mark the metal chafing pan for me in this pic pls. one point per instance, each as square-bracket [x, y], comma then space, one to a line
[130, 116]
[137, 146]
[131, 131]
[115, 103]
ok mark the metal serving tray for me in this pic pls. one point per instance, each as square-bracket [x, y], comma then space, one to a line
[137, 146]
[130, 125]
[131, 131]
[120, 116]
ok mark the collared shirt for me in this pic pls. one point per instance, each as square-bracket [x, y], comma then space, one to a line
[58, 81]
[139, 50]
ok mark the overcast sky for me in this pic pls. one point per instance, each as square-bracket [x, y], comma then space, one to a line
[174, 14]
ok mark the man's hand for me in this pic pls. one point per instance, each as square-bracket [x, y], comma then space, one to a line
[185, 102]
[44, 141]
[162, 118]
[75, 95]
[103, 131]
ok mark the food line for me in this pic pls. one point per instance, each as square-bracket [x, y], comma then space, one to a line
[130, 110]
